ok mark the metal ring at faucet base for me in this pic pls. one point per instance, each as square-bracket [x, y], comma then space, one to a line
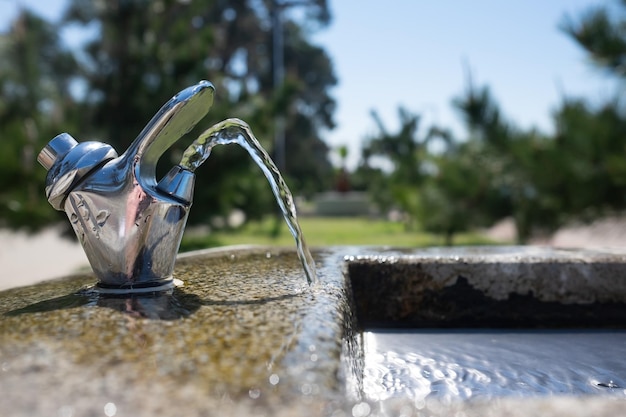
[144, 288]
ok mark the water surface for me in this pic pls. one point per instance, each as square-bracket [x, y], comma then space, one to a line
[459, 365]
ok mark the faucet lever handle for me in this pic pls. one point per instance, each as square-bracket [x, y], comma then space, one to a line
[56, 149]
[176, 118]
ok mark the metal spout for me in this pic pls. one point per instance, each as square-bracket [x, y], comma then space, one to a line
[129, 225]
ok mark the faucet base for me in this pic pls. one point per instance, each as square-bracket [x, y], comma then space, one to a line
[143, 288]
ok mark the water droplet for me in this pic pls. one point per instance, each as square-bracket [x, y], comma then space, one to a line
[362, 409]
[609, 384]
[110, 409]
[84, 212]
[274, 379]
[102, 217]
[254, 393]
[66, 411]
[73, 218]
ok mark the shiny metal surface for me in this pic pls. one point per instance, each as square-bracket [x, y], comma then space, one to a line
[129, 227]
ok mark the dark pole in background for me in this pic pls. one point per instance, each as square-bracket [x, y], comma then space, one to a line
[279, 77]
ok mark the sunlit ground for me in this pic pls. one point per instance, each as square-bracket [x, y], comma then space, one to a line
[324, 231]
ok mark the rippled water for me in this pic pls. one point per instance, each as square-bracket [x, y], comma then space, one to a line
[459, 365]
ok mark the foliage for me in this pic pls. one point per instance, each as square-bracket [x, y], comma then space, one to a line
[499, 170]
[513, 165]
[590, 139]
[35, 74]
[404, 151]
[148, 51]
[447, 190]
[591, 151]
[601, 32]
[143, 52]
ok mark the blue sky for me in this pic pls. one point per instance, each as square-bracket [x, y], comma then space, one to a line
[416, 53]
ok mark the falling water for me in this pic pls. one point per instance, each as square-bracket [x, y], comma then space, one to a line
[237, 131]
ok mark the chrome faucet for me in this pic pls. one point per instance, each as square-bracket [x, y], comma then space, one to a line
[129, 225]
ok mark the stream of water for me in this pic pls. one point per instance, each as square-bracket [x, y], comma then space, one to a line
[453, 365]
[235, 131]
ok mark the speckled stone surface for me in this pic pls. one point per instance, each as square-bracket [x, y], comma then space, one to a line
[245, 335]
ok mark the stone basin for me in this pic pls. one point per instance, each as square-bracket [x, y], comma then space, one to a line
[242, 334]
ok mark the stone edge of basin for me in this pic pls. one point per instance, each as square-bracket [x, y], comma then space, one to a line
[490, 287]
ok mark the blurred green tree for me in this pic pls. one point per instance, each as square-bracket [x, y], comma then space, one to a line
[395, 182]
[590, 139]
[497, 171]
[460, 194]
[517, 166]
[591, 150]
[148, 50]
[577, 174]
[541, 181]
[601, 32]
[36, 73]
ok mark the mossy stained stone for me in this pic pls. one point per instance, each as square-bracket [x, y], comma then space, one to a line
[500, 287]
[244, 332]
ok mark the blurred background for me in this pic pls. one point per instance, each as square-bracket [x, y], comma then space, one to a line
[458, 122]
